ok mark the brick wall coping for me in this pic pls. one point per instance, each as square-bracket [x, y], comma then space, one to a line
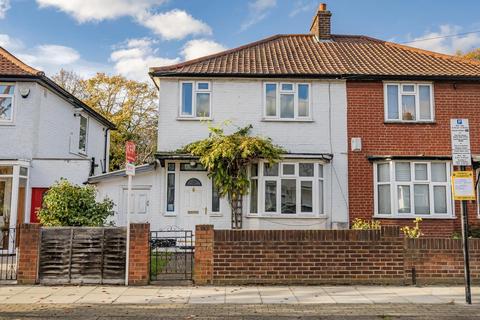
[306, 235]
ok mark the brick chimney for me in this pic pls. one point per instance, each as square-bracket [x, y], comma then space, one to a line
[321, 23]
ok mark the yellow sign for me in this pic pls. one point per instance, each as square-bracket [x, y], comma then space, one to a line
[463, 185]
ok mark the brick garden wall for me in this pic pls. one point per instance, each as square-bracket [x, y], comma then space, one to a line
[28, 252]
[365, 119]
[440, 261]
[327, 257]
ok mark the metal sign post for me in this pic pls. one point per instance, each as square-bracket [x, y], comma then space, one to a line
[463, 187]
[130, 155]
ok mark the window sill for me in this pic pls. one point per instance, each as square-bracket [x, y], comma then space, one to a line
[216, 215]
[426, 217]
[285, 216]
[7, 124]
[286, 120]
[409, 122]
[193, 119]
[169, 214]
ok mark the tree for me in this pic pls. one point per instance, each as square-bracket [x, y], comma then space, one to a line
[66, 204]
[227, 157]
[473, 54]
[130, 105]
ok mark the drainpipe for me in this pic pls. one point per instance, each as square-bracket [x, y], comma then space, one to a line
[104, 169]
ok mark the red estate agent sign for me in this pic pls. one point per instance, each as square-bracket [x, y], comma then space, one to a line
[130, 153]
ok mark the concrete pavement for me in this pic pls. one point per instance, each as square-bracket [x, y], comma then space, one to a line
[267, 295]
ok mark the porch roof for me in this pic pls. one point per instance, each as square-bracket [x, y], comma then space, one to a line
[162, 156]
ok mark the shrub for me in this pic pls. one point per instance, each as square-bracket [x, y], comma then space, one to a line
[414, 232]
[66, 204]
[360, 224]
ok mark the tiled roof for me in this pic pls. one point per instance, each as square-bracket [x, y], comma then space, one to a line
[11, 66]
[303, 55]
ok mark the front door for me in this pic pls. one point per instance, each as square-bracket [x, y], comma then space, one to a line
[193, 199]
[140, 204]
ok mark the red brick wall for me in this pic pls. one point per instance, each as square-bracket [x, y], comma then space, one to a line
[203, 266]
[328, 257]
[440, 260]
[139, 254]
[365, 119]
[309, 257]
[28, 251]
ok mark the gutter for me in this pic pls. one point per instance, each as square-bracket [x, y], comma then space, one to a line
[350, 77]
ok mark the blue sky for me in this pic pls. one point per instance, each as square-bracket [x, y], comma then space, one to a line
[128, 36]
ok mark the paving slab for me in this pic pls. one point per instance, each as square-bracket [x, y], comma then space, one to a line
[355, 299]
[133, 299]
[207, 295]
[141, 291]
[9, 290]
[61, 299]
[94, 298]
[22, 298]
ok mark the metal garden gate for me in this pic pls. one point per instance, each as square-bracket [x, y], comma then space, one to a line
[171, 255]
[8, 256]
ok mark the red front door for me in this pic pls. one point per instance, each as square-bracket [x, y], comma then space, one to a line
[37, 200]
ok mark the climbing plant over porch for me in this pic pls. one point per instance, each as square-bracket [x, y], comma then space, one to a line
[227, 157]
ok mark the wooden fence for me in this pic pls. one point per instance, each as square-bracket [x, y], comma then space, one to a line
[82, 255]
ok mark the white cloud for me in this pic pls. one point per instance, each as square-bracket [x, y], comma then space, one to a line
[4, 6]
[443, 44]
[258, 10]
[174, 25]
[200, 47]
[302, 6]
[136, 56]
[97, 10]
[50, 58]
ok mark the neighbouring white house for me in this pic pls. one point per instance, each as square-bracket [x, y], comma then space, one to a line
[45, 134]
[280, 87]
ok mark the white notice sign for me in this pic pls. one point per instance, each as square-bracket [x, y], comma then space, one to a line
[130, 169]
[460, 134]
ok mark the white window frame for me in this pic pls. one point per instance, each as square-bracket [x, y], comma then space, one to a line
[2, 95]
[416, 93]
[195, 90]
[318, 209]
[279, 92]
[80, 116]
[393, 190]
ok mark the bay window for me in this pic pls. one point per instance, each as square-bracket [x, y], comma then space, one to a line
[408, 102]
[195, 99]
[286, 188]
[6, 103]
[412, 188]
[287, 101]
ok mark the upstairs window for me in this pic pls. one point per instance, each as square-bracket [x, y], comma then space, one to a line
[195, 99]
[82, 140]
[408, 102]
[287, 101]
[6, 102]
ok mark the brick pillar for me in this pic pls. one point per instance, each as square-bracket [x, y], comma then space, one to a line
[203, 267]
[139, 255]
[28, 253]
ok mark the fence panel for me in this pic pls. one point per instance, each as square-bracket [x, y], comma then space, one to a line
[82, 255]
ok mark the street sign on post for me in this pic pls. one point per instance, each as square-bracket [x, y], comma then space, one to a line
[131, 157]
[463, 187]
[460, 133]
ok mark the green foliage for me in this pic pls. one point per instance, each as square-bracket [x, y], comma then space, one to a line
[66, 204]
[227, 157]
[414, 232]
[473, 54]
[360, 224]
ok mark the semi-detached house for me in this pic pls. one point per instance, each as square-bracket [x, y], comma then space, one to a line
[45, 134]
[365, 123]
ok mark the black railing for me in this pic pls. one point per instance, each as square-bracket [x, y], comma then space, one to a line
[171, 255]
[8, 256]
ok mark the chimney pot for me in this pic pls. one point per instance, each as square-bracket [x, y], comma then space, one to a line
[321, 23]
